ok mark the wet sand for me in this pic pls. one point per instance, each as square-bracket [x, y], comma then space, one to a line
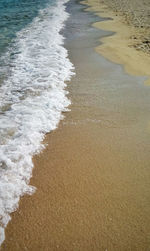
[93, 179]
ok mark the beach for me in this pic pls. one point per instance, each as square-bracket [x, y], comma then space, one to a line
[135, 14]
[92, 179]
[126, 36]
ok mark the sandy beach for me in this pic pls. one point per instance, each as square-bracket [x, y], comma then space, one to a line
[93, 177]
[120, 48]
[135, 14]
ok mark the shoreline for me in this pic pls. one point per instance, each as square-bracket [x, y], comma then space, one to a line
[135, 62]
[93, 178]
[134, 14]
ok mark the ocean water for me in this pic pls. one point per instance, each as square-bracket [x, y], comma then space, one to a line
[34, 66]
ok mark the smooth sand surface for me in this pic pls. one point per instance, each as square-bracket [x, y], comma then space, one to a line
[93, 179]
[119, 47]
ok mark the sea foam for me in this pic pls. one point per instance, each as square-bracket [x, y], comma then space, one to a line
[32, 100]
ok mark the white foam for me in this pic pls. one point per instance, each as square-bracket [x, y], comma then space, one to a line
[32, 98]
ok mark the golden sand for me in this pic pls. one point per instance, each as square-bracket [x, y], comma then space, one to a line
[118, 48]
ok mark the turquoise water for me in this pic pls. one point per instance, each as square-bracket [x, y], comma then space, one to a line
[15, 15]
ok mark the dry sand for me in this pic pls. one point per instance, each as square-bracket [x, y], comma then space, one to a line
[119, 47]
[93, 179]
[135, 13]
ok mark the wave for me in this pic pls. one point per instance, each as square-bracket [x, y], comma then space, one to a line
[32, 100]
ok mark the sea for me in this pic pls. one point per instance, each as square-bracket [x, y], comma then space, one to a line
[34, 68]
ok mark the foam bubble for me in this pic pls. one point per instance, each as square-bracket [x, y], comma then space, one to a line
[31, 100]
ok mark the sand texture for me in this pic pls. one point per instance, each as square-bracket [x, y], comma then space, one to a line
[135, 13]
[119, 47]
[93, 179]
